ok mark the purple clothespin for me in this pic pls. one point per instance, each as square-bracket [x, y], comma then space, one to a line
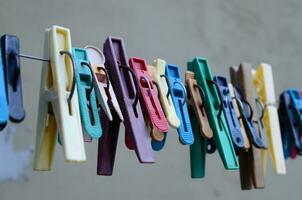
[126, 88]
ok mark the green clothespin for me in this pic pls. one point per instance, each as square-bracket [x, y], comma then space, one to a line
[214, 111]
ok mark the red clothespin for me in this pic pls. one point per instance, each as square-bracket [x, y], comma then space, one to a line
[148, 97]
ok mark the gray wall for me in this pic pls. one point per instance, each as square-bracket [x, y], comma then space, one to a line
[226, 32]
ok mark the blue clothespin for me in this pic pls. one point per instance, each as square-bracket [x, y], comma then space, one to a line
[87, 99]
[178, 95]
[229, 111]
[290, 116]
[10, 47]
[158, 145]
[247, 115]
[3, 98]
[296, 103]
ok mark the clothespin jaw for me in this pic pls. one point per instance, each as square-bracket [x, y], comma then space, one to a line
[148, 95]
[103, 87]
[251, 161]
[10, 47]
[127, 88]
[263, 81]
[159, 145]
[178, 95]
[58, 103]
[87, 100]
[46, 131]
[3, 98]
[107, 143]
[197, 151]
[213, 105]
[229, 111]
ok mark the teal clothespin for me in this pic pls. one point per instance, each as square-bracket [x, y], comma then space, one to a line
[214, 112]
[87, 100]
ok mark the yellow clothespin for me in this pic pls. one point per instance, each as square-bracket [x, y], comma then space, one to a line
[157, 71]
[58, 103]
[264, 83]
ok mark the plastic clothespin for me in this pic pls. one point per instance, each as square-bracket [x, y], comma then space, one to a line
[159, 138]
[3, 98]
[157, 71]
[263, 81]
[126, 87]
[246, 145]
[110, 111]
[229, 111]
[58, 103]
[87, 101]
[103, 87]
[288, 130]
[195, 99]
[290, 117]
[10, 47]
[251, 161]
[200, 126]
[148, 96]
[178, 94]
[246, 114]
[213, 106]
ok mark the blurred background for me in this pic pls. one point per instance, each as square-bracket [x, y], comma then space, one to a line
[225, 32]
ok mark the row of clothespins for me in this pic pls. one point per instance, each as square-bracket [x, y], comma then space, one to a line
[86, 94]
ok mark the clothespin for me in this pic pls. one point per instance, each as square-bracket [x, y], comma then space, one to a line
[288, 130]
[178, 95]
[58, 103]
[10, 47]
[148, 96]
[263, 81]
[159, 145]
[290, 117]
[240, 118]
[251, 161]
[87, 100]
[229, 111]
[126, 87]
[3, 98]
[195, 99]
[214, 108]
[157, 72]
[200, 126]
[110, 111]
[246, 114]
[103, 87]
